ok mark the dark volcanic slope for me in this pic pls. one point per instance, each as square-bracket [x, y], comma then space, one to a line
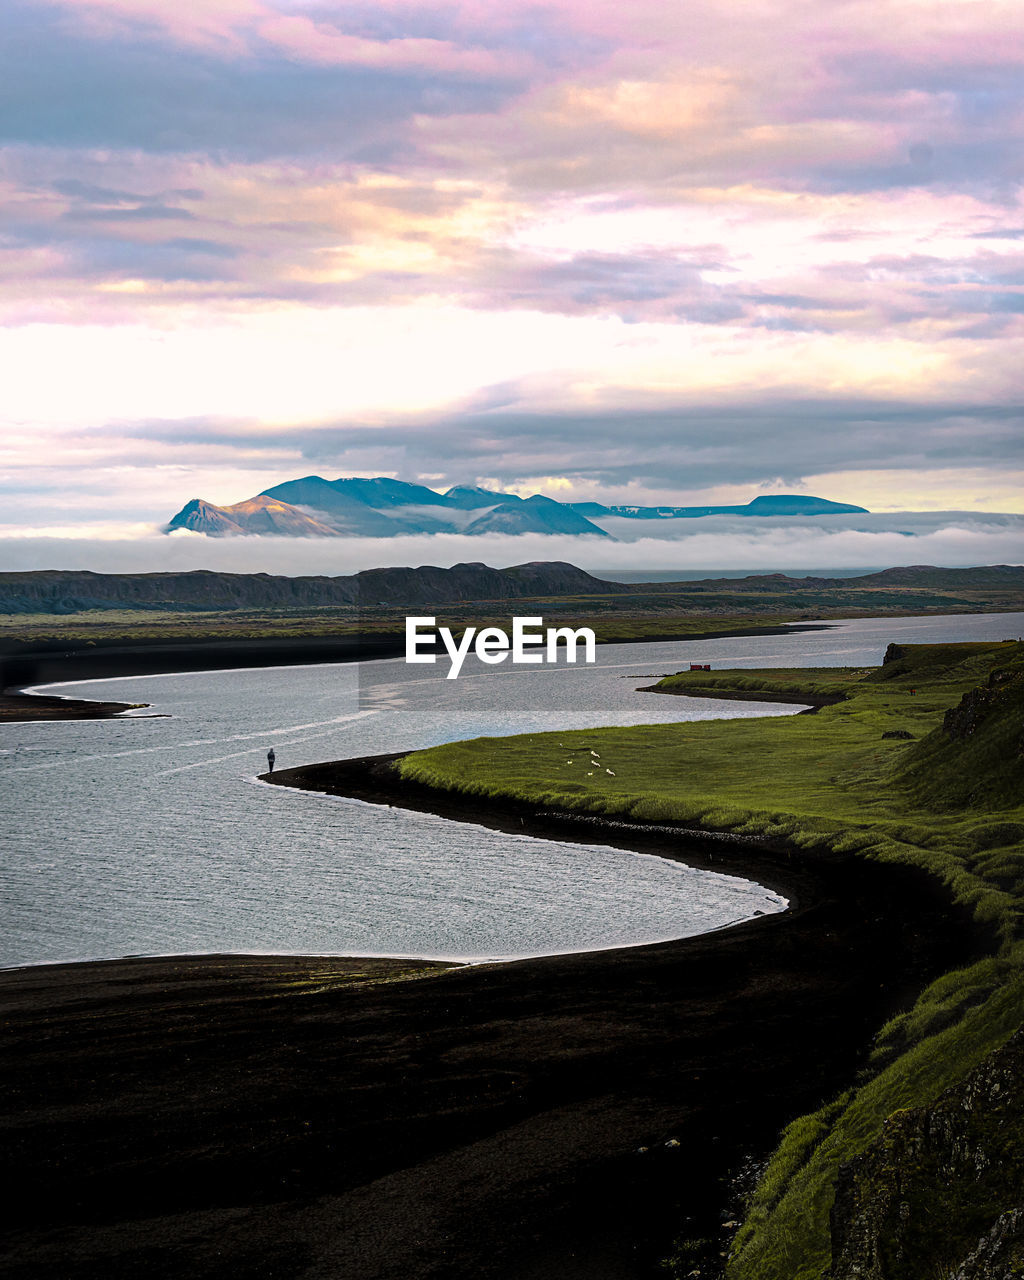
[916, 577]
[68, 591]
[247, 1118]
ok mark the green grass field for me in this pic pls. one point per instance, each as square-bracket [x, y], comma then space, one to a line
[122, 626]
[949, 800]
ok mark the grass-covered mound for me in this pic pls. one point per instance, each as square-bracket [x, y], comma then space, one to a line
[976, 759]
[920, 761]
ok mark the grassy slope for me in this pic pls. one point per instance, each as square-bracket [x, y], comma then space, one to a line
[953, 805]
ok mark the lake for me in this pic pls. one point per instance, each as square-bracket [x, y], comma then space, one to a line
[151, 835]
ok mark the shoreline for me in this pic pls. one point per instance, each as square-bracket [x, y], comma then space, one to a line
[46, 666]
[310, 1117]
[31, 708]
[811, 702]
[260, 1115]
[371, 779]
[20, 671]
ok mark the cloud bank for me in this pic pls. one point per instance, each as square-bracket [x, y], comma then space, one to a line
[716, 542]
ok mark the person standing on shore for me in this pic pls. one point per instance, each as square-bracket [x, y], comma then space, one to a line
[271, 757]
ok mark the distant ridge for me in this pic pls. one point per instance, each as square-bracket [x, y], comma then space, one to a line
[65, 591]
[313, 507]
[74, 590]
[776, 504]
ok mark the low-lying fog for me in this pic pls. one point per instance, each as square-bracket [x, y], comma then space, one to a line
[948, 538]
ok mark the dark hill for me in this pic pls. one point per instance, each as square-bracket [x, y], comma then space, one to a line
[919, 588]
[71, 591]
[929, 575]
[975, 759]
[921, 577]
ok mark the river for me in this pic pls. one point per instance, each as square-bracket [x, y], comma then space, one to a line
[151, 835]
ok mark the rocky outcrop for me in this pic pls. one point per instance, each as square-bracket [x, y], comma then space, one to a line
[1000, 1255]
[975, 758]
[978, 705]
[894, 653]
[964, 720]
[940, 1193]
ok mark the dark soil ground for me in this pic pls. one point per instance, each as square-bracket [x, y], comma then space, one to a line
[48, 663]
[38, 706]
[552, 1119]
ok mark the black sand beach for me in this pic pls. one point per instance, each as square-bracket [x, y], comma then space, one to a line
[265, 1117]
[23, 707]
[38, 665]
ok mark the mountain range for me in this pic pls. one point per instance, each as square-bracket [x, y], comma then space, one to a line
[383, 508]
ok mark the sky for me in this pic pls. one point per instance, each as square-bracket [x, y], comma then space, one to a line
[640, 253]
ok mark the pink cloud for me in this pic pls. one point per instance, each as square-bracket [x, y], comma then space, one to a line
[220, 23]
[712, 188]
[310, 41]
[239, 26]
[702, 29]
